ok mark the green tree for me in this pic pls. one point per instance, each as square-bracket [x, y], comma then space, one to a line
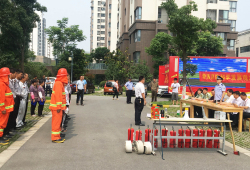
[64, 38]
[141, 69]
[158, 49]
[36, 69]
[118, 65]
[186, 27]
[17, 20]
[99, 53]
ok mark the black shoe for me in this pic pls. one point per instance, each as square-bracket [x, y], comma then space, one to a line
[68, 118]
[58, 141]
[140, 124]
[41, 115]
[82, 104]
[19, 128]
[130, 103]
[62, 135]
[24, 123]
[8, 135]
[3, 142]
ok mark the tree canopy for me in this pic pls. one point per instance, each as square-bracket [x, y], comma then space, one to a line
[99, 53]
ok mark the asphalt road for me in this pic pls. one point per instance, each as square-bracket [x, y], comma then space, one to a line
[95, 140]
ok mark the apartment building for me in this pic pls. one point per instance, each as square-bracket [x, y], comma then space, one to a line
[140, 20]
[38, 37]
[98, 24]
[243, 44]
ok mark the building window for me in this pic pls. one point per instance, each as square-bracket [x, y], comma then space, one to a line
[230, 45]
[211, 1]
[224, 37]
[136, 56]
[211, 14]
[102, 26]
[98, 21]
[102, 32]
[233, 25]
[138, 36]
[233, 6]
[130, 39]
[102, 38]
[99, 2]
[138, 13]
[125, 11]
[131, 19]
[117, 25]
[99, 8]
[245, 49]
[109, 24]
[109, 15]
[98, 32]
[109, 34]
[98, 26]
[159, 12]
[102, 20]
[102, 15]
[108, 43]
[110, 6]
[223, 16]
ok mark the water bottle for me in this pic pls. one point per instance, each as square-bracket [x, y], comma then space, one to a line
[166, 111]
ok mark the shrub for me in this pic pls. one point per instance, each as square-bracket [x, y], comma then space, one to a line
[102, 84]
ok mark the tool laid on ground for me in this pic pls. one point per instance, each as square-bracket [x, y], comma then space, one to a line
[235, 152]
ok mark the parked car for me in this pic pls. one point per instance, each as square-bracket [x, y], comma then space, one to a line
[134, 84]
[108, 87]
[89, 89]
[52, 79]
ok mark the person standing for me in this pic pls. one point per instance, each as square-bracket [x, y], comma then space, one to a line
[176, 89]
[6, 102]
[129, 88]
[116, 90]
[220, 90]
[58, 104]
[140, 100]
[43, 79]
[47, 85]
[27, 100]
[84, 85]
[154, 90]
[80, 90]
[24, 95]
[33, 96]
[41, 98]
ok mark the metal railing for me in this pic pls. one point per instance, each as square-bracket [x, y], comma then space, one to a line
[97, 66]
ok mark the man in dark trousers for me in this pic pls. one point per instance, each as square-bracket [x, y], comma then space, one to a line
[129, 88]
[44, 80]
[154, 89]
[140, 100]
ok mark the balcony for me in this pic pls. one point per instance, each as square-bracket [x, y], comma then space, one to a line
[97, 66]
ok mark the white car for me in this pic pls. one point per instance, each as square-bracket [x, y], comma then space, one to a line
[163, 90]
[52, 79]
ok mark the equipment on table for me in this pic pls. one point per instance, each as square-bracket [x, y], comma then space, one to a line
[147, 134]
[209, 141]
[172, 140]
[235, 152]
[216, 141]
[186, 116]
[181, 141]
[188, 141]
[164, 141]
[202, 141]
[220, 115]
[195, 141]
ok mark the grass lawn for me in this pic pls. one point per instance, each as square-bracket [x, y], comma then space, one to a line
[165, 102]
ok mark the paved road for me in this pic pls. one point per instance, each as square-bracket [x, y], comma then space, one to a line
[95, 140]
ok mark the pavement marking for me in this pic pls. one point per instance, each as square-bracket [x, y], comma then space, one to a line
[14, 147]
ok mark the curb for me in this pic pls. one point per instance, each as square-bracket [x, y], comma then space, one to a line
[14, 147]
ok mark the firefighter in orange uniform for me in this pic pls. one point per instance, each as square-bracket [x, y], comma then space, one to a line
[6, 101]
[58, 104]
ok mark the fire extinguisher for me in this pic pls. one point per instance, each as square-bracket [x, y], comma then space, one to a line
[147, 134]
[216, 141]
[201, 141]
[209, 141]
[164, 141]
[138, 135]
[181, 141]
[131, 134]
[155, 140]
[172, 140]
[188, 141]
[195, 141]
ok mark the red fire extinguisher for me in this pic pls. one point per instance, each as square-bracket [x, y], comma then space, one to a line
[147, 134]
[216, 141]
[181, 141]
[201, 141]
[138, 135]
[155, 140]
[209, 141]
[188, 141]
[164, 141]
[131, 134]
[195, 141]
[172, 140]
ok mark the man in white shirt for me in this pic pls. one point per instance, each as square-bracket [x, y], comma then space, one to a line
[176, 88]
[140, 100]
[47, 86]
[245, 105]
[229, 97]
[80, 86]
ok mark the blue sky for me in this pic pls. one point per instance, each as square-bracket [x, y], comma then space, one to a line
[78, 12]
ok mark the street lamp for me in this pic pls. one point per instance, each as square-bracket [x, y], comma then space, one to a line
[71, 59]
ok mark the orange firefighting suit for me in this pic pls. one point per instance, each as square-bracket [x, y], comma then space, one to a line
[6, 102]
[58, 101]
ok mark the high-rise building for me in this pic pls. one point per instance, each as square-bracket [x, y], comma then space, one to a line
[140, 20]
[38, 37]
[97, 26]
[243, 44]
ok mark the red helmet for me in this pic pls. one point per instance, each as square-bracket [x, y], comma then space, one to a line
[62, 72]
[5, 71]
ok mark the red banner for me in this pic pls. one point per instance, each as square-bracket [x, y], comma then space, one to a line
[227, 77]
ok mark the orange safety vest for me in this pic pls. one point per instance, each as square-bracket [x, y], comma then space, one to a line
[6, 98]
[58, 98]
